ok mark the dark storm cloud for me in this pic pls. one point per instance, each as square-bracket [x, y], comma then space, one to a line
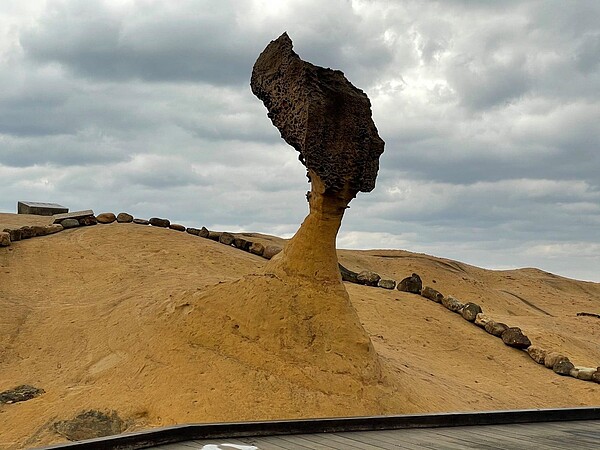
[157, 43]
[193, 40]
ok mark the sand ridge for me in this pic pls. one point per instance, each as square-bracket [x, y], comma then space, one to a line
[107, 317]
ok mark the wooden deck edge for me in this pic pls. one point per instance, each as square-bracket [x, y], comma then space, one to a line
[179, 433]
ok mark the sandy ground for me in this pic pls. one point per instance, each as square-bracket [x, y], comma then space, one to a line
[105, 317]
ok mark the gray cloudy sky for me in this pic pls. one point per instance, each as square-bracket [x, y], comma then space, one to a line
[489, 110]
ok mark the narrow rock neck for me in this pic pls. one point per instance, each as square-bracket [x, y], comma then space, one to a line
[311, 252]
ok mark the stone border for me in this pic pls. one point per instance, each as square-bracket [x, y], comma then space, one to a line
[471, 312]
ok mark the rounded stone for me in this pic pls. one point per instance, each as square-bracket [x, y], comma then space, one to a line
[39, 230]
[271, 250]
[470, 311]
[203, 232]
[514, 337]
[141, 221]
[176, 227]
[584, 373]
[257, 248]
[386, 284]
[481, 320]
[124, 218]
[412, 284]
[537, 354]
[563, 367]
[242, 244]
[88, 221]
[496, 328]
[214, 235]
[552, 358]
[158, 222]
[368, 278]
[28, 232]
[15, 234]
[70, 223]
[54, 228]
[105, 218]
[192, 231]
[453, 304]
[226, 238]
[4, 239]
[433, 295]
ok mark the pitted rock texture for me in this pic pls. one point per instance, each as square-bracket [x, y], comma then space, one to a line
[20, 394]
[322, 115]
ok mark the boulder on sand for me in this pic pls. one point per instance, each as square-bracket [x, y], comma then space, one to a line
[412, 284]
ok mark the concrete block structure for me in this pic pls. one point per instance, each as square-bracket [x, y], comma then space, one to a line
[40, 209]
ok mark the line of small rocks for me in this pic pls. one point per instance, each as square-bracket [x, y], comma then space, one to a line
[472, 312]
[511, 336]
[87, 218]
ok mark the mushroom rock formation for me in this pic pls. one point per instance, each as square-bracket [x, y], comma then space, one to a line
[294, 320]
[328, 120]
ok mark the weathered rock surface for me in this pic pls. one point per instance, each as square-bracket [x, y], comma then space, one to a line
[192, 231]
[347, 274]
[176, 227]
[88, 221]
[481, 320]
[106, 217]
[271, 250]
[241, 243]
[257, 248]
[58, 218]
[27, 232]
[226, 238]
[412, 284]
[432, 294]
[537, 354]
[329, 122]
[368, 278]
[158, 222]
[470, 311]
[386, 284]
[54, 228]
[583, 373]
[4, 239]
[321, 114]
[596, 376]
[203, 232]
[70, 223]
[514, 337]
[453, 304]
[39, 230]
[496, 328]
[14, 233]
[214, 235]
[552, 358]
[90, 424]
[124, 217]
[563, 367]
[141, 221]
[20, 394]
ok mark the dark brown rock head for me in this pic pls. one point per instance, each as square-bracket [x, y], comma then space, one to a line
[322, 115]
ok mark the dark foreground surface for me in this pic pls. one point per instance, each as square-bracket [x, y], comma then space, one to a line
[547, 435]
[569, 428]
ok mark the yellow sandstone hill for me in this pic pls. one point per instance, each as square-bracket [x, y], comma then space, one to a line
[116, 318]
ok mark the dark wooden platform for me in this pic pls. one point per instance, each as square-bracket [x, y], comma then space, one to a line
[546, 435]
[565, 428]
